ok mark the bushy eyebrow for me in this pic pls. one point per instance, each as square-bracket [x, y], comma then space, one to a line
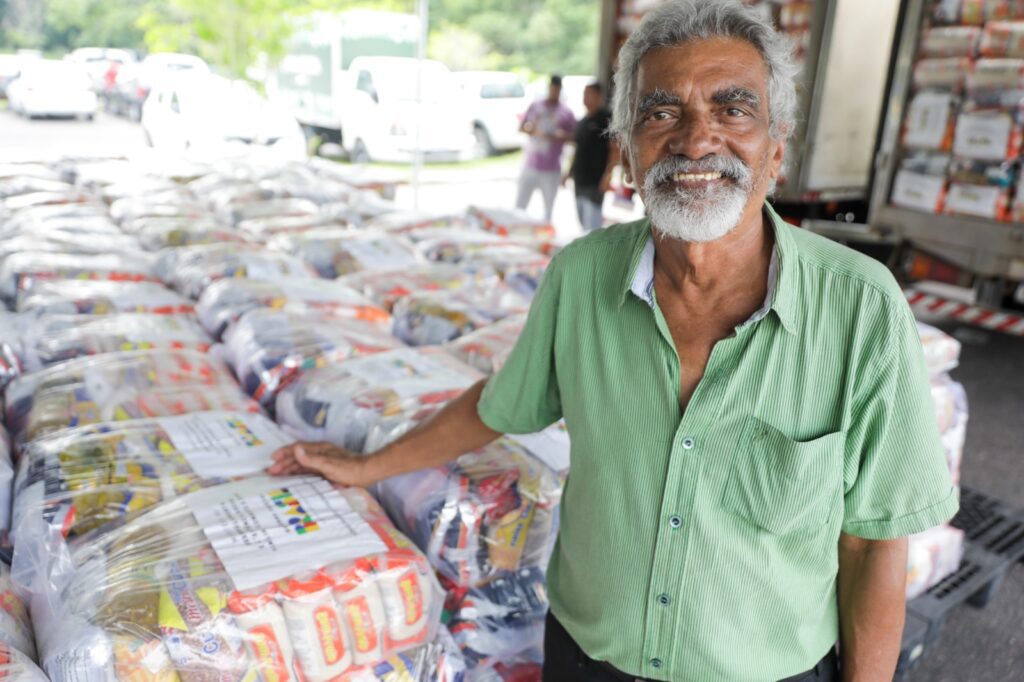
[658, 98]
[737, 95]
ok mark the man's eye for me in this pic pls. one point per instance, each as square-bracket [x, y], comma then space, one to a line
[735, 111]
[658, 116]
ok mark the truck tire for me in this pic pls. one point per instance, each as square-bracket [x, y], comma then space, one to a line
[483, 146]
[359, 153]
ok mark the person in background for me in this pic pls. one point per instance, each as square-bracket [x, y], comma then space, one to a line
[550, 124]
[595, 157]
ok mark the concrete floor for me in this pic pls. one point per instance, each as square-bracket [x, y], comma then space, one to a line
[987, 645]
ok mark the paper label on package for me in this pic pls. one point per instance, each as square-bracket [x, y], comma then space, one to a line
[225, 444]
[917, 191]
[550, 446]
[975, 200]
[379, 254]
[407, 373]
[928, 119]
[983, 136]
[265, 530]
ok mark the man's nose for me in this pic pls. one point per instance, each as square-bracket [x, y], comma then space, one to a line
[695, 137]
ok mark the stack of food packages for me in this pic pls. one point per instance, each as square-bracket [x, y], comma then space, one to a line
[936, 553]
[962, 131]
[155, 318]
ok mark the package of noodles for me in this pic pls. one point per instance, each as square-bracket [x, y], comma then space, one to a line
[77, 297]
[434, 318]
[336, 252]
[120, 386]
[269, 348]
[84, 480]
[343, 403]
[227, 300]
[272, 579]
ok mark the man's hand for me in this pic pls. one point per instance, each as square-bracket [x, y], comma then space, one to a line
[335, 464]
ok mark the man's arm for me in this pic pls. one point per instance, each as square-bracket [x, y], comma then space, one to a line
[454, 430]
[872, 595]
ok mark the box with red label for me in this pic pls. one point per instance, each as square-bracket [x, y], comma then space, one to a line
[949, 41]
[1003, 39]
[988, 134]
[286, 579]
[979, 190]
[920, 183]
[930, 121]
[945, 73]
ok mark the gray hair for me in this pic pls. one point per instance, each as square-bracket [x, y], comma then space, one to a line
[680, 21]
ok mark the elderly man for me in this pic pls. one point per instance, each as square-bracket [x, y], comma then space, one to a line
[752, 436]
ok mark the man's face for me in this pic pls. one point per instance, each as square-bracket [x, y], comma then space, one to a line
[554, 92]
[701, 152]
[591, 99]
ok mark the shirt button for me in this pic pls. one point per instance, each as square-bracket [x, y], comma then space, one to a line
[664, 599]
[675, 522]
[688, 443]
[655, 662]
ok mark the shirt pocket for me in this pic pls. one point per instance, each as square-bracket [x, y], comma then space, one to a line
[783, 485]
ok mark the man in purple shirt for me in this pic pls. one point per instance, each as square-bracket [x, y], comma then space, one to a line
[550, 124]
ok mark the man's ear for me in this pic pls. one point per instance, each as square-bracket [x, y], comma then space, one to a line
[627, 168]
[778, 157]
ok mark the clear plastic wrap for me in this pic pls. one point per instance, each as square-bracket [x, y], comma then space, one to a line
[159, 233]
[520, 268]
[452, 245]
[931, 556]
[15, 624]
[63, 241]
[6, 482]
[488, 348]
[173, 203]
[315, 585]
[526, 666]
[941, 351]
[192, 269]
[511, 223]
[84, 297]
[434, 318]
[264, 229]
[20, 270]
[85, 480]
[227, 300]
[333, 252]
[954, 433]
[387, 287]
[18, 667]
[343, 403]
[50, 339]
[404, 222]
[487, 514]
[269, 348]
[120, 386]
[499, 620]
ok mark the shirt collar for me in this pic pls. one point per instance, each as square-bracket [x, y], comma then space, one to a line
[781, 295]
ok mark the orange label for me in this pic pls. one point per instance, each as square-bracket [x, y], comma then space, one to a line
[409, 587]
[267, 651]
[361, 623]
[330, 634]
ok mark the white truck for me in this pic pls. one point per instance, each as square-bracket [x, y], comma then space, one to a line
[352, 79]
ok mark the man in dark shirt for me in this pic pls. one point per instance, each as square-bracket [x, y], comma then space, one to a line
[596, 155]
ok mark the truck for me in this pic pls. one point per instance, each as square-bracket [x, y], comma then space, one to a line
[352, 78]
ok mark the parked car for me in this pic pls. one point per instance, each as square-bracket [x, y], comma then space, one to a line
[497, 101]
[380, 111]
[211, 117]
[96, 61]
[10, 64]
[49, 87]
[134, 81]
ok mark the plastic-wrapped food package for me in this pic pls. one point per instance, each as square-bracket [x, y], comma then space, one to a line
[167, 204]
[950, 41]
[6, 480]
[950, 401]
[86, 480]
[343, 403]
[955, 432]
[20, 270]
[1003, 39]
[526, 666]
[63, 241]
[314, 585]
[488, 348]
[12, 328]
[84, 297]
[269, 348]
[405, 222]
[452, 245]
[120, 386]
[192, 269]
[511, 223]
[226, 301]
[18, 667]
[941, 351]
[34, 199]
[15, 625]
[264, 229]
[931, 556]
[520, 268]
[487, 514]
[433, 318]
[157, 234]
[50, 339]
[945, 73]
[497, 621]
[333, 252]
[387, 287]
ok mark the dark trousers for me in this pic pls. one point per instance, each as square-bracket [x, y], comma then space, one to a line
[564, 661]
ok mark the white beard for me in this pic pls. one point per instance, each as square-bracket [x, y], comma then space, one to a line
[688, 217]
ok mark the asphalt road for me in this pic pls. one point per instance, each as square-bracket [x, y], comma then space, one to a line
[977, 645]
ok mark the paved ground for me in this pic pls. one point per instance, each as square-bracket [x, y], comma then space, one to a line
[977, 645]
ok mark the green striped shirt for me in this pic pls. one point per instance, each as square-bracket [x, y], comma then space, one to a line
[703, 546]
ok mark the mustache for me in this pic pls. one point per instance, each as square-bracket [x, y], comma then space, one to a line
[730, 167]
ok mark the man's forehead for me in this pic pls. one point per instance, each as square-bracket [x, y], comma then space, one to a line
[710, 64]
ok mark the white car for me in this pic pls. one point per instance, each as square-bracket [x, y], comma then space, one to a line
[48, 87]
[134, 81]
[208, 117]
[497, 101]
[96, 61]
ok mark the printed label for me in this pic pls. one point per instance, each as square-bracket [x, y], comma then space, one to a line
[263, 529]
[223, 444]
[983, 136]
[407, 373]
[974, 200]
[917, 191]
[927, 120]
[329, 632]
[361, 624]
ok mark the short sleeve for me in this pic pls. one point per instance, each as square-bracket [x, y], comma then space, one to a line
[897, 479]
[523, 396]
